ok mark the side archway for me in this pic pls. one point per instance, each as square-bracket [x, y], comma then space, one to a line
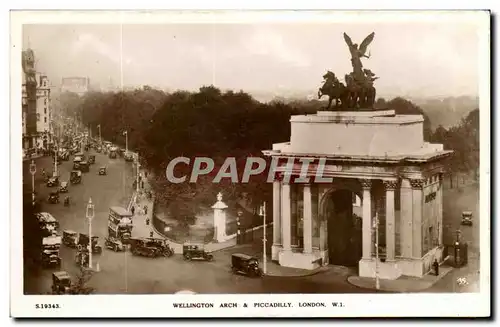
[343, 227]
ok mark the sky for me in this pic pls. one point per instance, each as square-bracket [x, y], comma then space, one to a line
[410, 58]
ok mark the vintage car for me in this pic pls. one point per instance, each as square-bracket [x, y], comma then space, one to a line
[53, 181]
[76, 162]
[76, 177]
[50, 251]
[69, 238]
[128, 156]
[114, 244]
[112, 154]
[84, 167]
[92, 159]
[98, 149]
[466, 218]
[102, 171]
[245, 264]
[61, 282]
[63, 188]
[192, 251]
[150, 247]
[162, 245]
[53, 197]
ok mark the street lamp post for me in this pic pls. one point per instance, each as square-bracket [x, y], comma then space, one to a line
[33, 172]
[90, 216]
[99, 127]
[55, 159]
[264, 239]
[137, 177]
[126, 141]
[377, 279]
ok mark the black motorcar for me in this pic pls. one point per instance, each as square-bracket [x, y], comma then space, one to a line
[102, 171]
[245, 264]
[192, 251]
[63, 188]
[61, 282]
[76, 177]
[53, 181]
[91, 159]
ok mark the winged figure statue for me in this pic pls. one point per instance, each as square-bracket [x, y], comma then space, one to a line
[358, 52]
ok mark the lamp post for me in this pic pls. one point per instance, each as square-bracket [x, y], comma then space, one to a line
[33, 172]
[138, 170]
[55, 159]
[99, 127]
[377, 280]
[90, 216]
[264, 239]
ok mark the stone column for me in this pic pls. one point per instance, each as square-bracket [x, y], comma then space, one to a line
[219, 219]
[406, 217]
[276, 219]
[417, 191]
[286, 213]
[390, 233]
[367, 218]
[307, 228]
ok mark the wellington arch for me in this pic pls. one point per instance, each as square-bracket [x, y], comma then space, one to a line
[377, 157]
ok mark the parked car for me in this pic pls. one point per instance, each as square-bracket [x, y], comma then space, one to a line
[114, 244]
[196, 251]
[102, 171]
[245, 264]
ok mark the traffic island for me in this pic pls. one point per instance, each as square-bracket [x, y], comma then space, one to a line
[403, 284]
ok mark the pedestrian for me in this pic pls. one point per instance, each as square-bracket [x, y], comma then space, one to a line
[146, 174]
[436, 267]
[147, 221]
[151, 234]
[145, 209]
[132, 210]
[142, 184]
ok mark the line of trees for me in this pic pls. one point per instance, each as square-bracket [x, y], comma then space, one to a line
[218, 124]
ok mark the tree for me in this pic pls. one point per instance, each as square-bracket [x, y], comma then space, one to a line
[80, 285]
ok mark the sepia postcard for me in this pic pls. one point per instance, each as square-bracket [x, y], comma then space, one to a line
[250, 164]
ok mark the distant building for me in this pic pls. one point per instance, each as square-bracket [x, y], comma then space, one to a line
[78, 85]
[36, 109]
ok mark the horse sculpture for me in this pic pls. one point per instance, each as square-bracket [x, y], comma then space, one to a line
[334, 89]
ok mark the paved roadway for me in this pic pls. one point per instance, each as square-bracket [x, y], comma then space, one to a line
[125, 273]
[454, 202]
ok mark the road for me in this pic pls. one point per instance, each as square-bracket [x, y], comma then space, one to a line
[125, 273]
[454, 202]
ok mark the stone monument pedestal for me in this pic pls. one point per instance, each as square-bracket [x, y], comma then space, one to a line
[220, 219]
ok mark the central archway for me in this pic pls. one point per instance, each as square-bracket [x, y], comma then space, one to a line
[344, 228]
